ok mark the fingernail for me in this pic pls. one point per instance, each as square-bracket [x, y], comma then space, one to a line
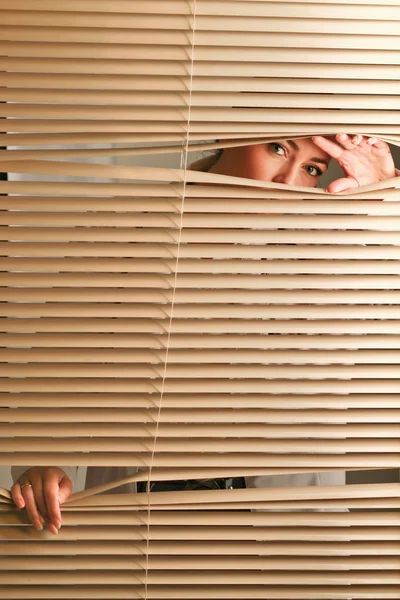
[38, 525]
[57, 524]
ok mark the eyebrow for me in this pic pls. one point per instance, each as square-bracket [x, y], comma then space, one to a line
[316, 159]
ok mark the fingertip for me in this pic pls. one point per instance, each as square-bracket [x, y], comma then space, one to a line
[18, 499]
[52, 528]
[38, 525]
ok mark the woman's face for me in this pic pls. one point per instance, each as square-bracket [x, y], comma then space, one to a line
[293, 162]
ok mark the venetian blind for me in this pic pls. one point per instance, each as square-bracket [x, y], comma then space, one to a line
[198, 330]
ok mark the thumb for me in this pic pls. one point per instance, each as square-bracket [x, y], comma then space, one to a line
[340, 185]
[65, 489]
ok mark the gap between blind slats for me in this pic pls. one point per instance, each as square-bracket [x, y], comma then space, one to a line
[93, 498]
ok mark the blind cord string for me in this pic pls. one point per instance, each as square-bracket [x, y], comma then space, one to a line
[184, 158]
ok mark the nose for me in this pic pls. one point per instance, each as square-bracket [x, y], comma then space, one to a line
[285, 175]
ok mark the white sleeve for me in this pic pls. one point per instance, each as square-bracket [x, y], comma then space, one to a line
[16, 472]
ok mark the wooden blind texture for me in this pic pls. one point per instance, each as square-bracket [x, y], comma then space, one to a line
[198, 330]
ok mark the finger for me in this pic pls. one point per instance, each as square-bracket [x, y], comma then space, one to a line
[65, 489]
[31, 508]
[340, 185]
[39, 498]
[56, 492]
[17, 496]
[377, 144]
[356, 140]
[51, 489]
[328, 146]
[346, 141]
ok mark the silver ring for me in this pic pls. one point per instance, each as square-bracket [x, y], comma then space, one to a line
[25, 485]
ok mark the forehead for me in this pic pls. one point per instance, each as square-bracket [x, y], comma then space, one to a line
[307, 148]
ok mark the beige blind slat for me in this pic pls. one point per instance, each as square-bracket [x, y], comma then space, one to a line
[214, 17]
[126, 250]
[221, 400]
[268, 8]
[341, 84]
[215, 415]
[34, 456]
[206, 52]
[193, 341]
[132, 356]
[206, 548]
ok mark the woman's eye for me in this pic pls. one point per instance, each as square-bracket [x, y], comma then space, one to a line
[313, 171]
[277, 148]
